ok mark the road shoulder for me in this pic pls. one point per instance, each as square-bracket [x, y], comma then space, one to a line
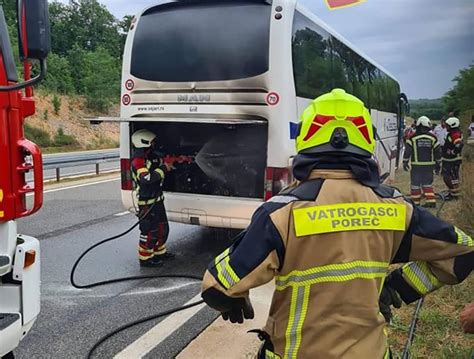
[224, 339]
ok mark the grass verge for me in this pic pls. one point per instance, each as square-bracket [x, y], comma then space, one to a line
[439, 334]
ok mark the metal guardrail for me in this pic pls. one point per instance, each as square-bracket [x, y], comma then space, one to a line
[79, 159]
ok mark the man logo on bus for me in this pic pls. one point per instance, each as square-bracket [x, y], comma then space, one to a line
[340, 4]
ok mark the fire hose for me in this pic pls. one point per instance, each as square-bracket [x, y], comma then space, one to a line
[405, 355]
[124, 279]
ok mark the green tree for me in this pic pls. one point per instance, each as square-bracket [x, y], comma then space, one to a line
[59, 78]
[461, 97]
[101, 82]
[86, 24]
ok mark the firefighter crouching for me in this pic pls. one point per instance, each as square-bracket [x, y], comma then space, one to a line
[452, 157]
[148, 173]
[424, 152]
[328, 241]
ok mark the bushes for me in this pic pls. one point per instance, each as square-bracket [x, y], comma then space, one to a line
[37, 135]
[43, 139]
[62, 140]
[56, 104]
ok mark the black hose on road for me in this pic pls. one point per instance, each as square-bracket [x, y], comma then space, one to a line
[125, 279]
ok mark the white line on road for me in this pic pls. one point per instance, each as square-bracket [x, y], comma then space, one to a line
[156, 335]
[122, 214]
[77, 186]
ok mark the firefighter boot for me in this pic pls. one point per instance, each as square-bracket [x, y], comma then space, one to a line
[151, 263]
[161, 253]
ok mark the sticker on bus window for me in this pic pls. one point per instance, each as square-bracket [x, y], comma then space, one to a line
[273, 98]
[340, 4]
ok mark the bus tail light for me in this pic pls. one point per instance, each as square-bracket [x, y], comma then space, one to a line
[275, 180]
[126, 174]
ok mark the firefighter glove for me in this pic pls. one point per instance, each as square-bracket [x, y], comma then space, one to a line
[233, 309]
[406, 166]
[389, 297]
[437, 168]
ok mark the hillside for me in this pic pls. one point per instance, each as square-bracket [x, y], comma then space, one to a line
[59, 125]
[433, 108]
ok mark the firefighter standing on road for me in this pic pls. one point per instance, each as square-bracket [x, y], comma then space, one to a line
[452, 157]
[424, 152]
[328, 241]
[148, 173]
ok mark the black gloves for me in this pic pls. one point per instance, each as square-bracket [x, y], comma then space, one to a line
[233, 309]
[406, 166]
[437, 168]
[388, 297]
[241, 311]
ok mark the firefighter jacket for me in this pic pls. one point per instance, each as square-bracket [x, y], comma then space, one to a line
[422, 149]
[148, 173]
[452, 149]
[327, 243]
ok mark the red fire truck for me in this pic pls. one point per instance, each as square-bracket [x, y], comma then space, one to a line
[19, 254]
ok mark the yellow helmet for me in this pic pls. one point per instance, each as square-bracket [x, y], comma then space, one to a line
[336, 122]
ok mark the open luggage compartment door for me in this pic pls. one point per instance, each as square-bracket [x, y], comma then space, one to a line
[230, 155]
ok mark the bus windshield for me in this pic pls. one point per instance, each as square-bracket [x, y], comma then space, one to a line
[202, 42]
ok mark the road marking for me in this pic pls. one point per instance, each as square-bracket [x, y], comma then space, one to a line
[77, 186]
[122, 214]
[156, 335]
[148, 291]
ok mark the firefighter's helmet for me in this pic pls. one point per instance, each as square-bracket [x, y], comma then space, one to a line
[143, 138]
[336, 123]
[423, 121]
[453, 122]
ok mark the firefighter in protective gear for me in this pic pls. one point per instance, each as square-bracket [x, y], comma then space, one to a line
[148, 173]
[424, 152]
[328, 241]
[452, 157]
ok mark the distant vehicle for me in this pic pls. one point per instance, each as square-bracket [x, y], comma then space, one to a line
[227, 82]
[19, 255]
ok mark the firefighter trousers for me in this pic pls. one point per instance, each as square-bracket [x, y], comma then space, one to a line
[154, 230]
[451, 177]
[422, 184]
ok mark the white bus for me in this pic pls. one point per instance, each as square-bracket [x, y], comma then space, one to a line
[226, 82]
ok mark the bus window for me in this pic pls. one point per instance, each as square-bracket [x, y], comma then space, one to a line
[202, 42]
[311, 52]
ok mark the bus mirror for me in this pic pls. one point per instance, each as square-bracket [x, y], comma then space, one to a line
[33, 29]
[405, 103]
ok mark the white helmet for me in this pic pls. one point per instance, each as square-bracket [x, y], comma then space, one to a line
[143, 138]
[423, 121]
[453, 122]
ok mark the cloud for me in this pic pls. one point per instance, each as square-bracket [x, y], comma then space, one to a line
[423, 43]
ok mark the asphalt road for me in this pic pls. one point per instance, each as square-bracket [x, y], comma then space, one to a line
[72, 320]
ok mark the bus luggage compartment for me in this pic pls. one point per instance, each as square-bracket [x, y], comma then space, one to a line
[229, 156]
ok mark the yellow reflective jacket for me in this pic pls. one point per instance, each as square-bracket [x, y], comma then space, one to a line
[328, 243]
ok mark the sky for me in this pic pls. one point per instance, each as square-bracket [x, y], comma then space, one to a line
[423, 43]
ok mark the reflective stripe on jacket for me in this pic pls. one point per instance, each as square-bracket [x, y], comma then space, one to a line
[452, 149]
[147, 181]
[423, 149]
[328, 243]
